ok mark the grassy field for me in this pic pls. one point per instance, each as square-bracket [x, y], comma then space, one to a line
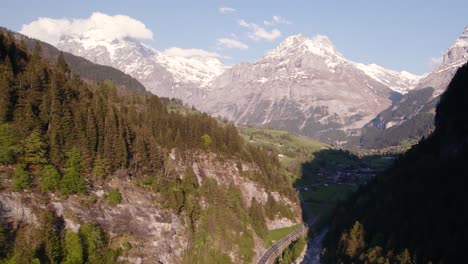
[293, 150]
[321, 199]
[277, 234]
[304, 160]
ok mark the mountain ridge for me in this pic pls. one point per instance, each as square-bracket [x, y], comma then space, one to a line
[404, 121]
[202, 81]
[422, 223]
[83, 67]
[304, 86]
[163, 75]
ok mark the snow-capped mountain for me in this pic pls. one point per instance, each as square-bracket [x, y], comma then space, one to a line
[304, 85]
[413, 115]
[399, 81]
[186, 78]
[198, 70]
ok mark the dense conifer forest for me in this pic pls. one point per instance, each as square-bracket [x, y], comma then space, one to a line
[62, 135]
[415, 212]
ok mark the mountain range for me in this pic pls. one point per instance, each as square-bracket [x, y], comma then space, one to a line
[304, 85]
[185, 78]
[87, 70]
[422, 192]
[413, 115]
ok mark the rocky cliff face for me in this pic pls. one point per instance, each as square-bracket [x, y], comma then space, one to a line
[156, 234]
[454, 58]
[413, 115]
[186, 78]
[304, 86]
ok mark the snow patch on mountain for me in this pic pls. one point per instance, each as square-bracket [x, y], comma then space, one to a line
[322, 47]
[462, 41]
[304, 85]
[141, 61]
[399, 81]
[319, 45]
[198, 70]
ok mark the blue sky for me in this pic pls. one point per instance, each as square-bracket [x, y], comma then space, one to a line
[400, 35]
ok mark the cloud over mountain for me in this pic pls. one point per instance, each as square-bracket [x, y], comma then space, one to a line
[258, 33]
[98, 25]
[187, 53]
[231, 43]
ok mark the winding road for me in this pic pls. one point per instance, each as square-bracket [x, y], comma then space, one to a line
[277, 248]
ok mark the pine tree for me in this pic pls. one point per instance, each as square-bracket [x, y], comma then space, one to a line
[21, 178]
[73, 248]
[51, 236]
[73, 160]
[34, 149]
[405, 257]
[49, 179]
[355, 240]
[72, 182]
[9, 148]
[6, 93]
[55, 119]
[95, 245]
[62, 65]
[114, 196]
[101, 168]
[206, 141]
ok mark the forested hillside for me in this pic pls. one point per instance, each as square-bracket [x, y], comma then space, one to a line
[86, 69]
[415, 212]
[61, 135]
[406, 121]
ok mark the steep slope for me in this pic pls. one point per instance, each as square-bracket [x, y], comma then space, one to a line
[406, 121]
[86, 69]
[454, 57]
[185, 78]
[119, 173]
[425, 220]
[412, 116]
[304, 75]
[304, 86]
[401, 82]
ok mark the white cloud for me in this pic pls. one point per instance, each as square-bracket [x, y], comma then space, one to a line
[275, 20]
[436, 61]
[261, 33]
[232, 43]
[258, 33]
[187, 53]
[97, 25]
[244, 23]
[226, 10]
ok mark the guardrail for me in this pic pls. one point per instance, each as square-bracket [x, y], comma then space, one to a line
[277, 248]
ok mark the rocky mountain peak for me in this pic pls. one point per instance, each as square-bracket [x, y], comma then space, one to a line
[319, 45]
[462, 41]
[163, 74]
[458, 52]
[454, 58]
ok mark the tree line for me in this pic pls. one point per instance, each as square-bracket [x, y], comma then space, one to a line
[414, 212]
[61, 134]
